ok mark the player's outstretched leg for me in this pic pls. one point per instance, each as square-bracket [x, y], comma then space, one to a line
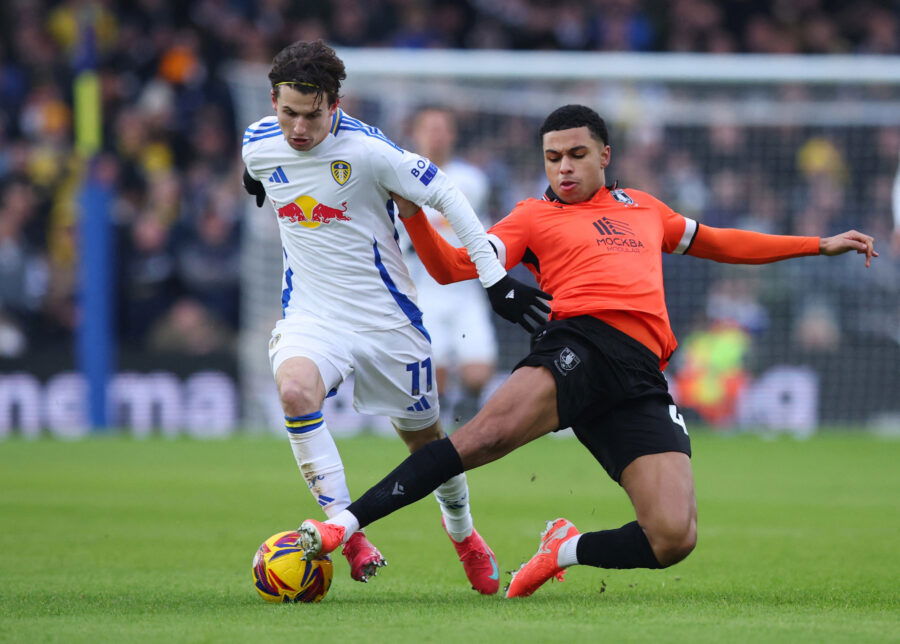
[363, 557]
[545, 564]
[478, 561]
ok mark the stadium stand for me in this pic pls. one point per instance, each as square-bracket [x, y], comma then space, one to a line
[171, 153]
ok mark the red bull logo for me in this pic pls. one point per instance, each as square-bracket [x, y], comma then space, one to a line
[311, 213]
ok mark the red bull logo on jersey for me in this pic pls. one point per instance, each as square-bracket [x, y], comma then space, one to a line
[311, 213]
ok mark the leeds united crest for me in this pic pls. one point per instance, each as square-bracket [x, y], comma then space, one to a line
[340, 170]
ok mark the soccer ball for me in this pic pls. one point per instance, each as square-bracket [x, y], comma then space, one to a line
[281, 574]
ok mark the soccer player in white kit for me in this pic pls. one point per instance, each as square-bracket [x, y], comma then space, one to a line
[458, 317]
[349, 303]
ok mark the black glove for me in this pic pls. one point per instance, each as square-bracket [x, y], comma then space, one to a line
[255, 188]
[517, 302]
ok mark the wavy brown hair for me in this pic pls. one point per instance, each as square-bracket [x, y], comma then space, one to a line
[310, 67]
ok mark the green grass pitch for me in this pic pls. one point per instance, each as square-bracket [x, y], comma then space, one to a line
[123, 540]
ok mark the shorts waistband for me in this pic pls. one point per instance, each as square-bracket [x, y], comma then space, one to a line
[595, 330]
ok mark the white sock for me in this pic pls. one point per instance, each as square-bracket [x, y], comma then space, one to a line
[319, 461]
[567, 555]
[453, 497]
[346, 519]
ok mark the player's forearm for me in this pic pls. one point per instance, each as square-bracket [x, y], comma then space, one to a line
[453, 205]
[733, 246]
[443, 261]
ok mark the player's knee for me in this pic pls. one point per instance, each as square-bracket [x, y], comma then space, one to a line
[418, 432]
[672, 541]
[297, 399]
[485, 439]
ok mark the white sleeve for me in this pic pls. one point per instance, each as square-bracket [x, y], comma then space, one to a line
[246, 156]
[419, 180]
[265, 128]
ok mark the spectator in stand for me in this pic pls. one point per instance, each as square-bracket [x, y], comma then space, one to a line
[694, 24]
[416, 30]
[881, 31]
[23, 269]
[208, 258]
[620, 25]
[819, 201]
[188, 328]
[728, 200]
[148, 276]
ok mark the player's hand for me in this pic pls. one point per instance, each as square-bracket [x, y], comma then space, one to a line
[405, 207]
[255, 188]
[519, 303]
[850, 240]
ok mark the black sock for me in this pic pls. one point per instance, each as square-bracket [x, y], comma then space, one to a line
[626, 547]
[413, 479]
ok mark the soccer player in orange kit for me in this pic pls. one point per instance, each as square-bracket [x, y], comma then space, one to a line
[595, 366]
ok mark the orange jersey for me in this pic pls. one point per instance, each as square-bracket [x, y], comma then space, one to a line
[602, 257]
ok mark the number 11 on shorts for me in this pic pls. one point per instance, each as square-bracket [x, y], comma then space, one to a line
[415, 369]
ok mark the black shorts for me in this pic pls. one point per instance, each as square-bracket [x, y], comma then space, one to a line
[609, 390]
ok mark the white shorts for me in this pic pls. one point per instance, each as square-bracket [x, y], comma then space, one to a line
[459, 321]
[393, 369]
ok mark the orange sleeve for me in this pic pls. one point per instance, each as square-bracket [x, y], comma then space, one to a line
[677, 229]
[734, 246]
[443, 261]
[510, 235]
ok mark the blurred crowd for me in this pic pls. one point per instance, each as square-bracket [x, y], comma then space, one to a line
[170, 148]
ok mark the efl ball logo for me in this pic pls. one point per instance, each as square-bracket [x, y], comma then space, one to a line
[311, 213]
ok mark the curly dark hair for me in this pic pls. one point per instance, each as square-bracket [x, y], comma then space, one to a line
[572, 116]
[310, 67]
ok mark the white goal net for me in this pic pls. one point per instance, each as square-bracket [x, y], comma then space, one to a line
[794, 145]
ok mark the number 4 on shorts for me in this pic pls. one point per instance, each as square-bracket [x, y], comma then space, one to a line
[677, 418]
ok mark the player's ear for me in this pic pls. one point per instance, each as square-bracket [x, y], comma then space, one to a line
[274, 98]
[605, 156]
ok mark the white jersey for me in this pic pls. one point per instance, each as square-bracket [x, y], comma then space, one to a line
[342, 261]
